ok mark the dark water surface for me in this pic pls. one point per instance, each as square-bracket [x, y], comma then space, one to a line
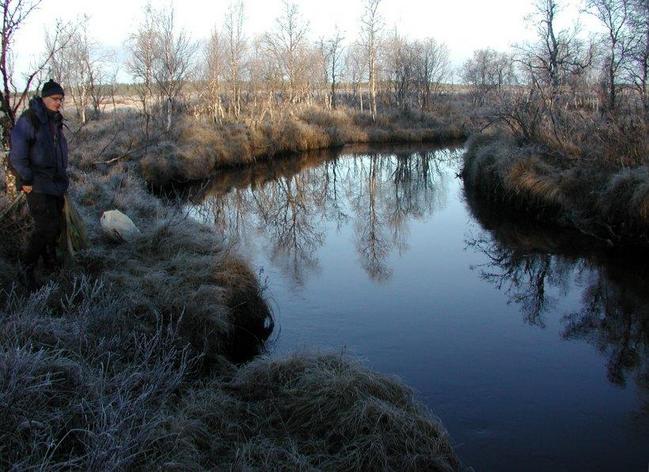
[533, 351]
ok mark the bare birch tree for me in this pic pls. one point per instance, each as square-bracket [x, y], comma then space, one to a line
[401, 65]
[235, 44]
[265, 77]
[334, 58]
[639, 66]
[80, 66]
[558, 56]
[356, 69]
[141, 62]
[614, 16]
[174, 52]
[432, 68]
[287, 45]
[555, 66]
[371, 26]
[213, 73]
[101, 81]
[487, 72]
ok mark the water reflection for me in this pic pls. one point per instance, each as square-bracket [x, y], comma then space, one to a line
[290, 205]
[615, 318]
[524, 261]
[331, 231]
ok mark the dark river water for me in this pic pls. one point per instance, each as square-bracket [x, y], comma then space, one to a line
[532, 350]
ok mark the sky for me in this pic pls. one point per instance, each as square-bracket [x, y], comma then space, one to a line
[463, 25]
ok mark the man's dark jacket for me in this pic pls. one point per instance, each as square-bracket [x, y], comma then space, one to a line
[39, 151]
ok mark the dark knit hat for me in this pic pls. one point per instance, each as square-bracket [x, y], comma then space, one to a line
[51, 88]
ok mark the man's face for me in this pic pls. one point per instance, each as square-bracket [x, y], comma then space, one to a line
[53, 102]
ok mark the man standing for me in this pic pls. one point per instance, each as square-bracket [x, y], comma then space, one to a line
[39, 155]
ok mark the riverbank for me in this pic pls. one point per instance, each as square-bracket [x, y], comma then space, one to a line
[131, 359]
[195, 149]
[608, 205]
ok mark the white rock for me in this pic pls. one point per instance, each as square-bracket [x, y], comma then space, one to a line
[118, 226]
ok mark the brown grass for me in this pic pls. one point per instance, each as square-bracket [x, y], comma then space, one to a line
[606, 204]
[532, 179]
[195, 149]
[316, 412]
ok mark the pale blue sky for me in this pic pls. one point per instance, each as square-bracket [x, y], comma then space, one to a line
[464, 25]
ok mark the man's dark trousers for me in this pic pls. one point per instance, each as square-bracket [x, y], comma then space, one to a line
[47, 213]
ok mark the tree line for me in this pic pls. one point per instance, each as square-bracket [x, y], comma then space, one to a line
[233, 72]
[235, 75]
[583, 96]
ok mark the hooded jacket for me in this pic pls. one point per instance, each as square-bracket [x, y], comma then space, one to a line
[39, 154]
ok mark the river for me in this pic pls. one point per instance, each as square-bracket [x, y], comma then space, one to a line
[532, 350]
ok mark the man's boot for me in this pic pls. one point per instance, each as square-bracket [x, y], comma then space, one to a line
[50, 261]
[29, 278]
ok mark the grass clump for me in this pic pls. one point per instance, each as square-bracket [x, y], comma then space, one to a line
[81, 387]
[624, 201]
[319, 413]
[601, 202]
[494, 168]
[176, 267]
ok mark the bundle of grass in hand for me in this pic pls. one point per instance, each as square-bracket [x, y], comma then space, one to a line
[74, 236]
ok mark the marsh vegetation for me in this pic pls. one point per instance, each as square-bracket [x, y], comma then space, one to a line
[135, 356]
[568, 143]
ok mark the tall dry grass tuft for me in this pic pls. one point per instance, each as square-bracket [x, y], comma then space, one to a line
[80, 385]
[589, 197]
[624, 201]
[316, 412]
[486, 164]
[15, 225]
[613, 141]
[532, 179]
[177, 269]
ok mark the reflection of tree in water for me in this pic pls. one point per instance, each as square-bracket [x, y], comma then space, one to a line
[615, 318]
[385, 193]
[289, 212]
[334, 202]
[523, 276]
[418, 190]
[228, 213]
[371, 242]
[289, 203]
[525, 261]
